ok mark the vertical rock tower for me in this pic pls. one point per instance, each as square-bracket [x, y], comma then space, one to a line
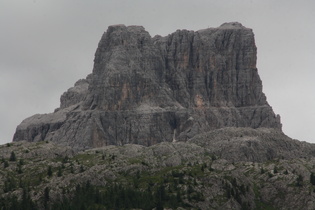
[146, 90]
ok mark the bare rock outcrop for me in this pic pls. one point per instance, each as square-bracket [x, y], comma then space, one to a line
[189, 177]
[146, 90]
[248, 144]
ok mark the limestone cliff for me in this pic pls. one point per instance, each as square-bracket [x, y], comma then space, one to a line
[146, 90]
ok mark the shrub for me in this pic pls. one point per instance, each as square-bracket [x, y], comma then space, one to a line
[49, 171]
[299, 181]
[5, 164]
[59, 174]
[312, 179]
[12, 156]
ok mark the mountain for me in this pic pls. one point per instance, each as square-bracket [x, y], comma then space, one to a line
[146, 90]
[175, 122]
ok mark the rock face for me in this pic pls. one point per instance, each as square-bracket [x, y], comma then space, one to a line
[146, 90]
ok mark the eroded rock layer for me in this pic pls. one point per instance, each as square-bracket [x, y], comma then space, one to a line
[146, 90]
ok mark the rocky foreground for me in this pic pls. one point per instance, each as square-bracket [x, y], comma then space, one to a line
[170, 175]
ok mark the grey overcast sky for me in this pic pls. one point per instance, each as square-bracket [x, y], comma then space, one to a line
[47, 45]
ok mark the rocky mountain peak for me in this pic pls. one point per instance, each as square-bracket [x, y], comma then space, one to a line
[232, 25]
[146, 90]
